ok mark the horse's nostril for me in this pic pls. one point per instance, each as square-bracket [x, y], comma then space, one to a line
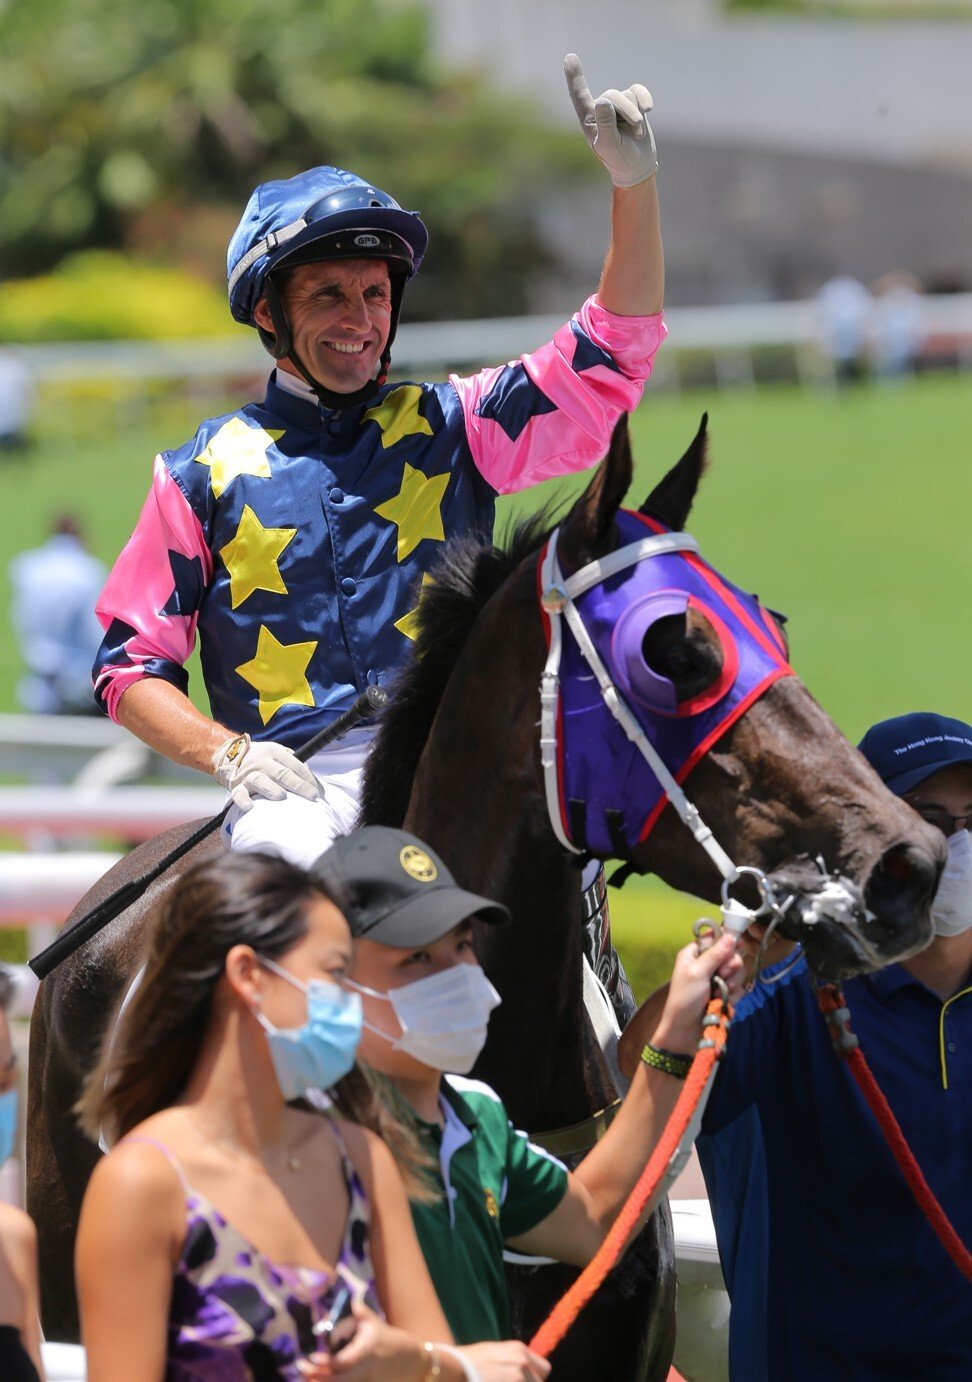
[901, 885]
[896, 866]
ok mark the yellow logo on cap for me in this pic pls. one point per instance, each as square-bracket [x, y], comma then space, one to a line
[417, 864]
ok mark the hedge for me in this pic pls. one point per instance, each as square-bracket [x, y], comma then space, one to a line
[101, 295]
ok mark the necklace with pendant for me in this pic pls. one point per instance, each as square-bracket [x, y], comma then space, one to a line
[292, 1161]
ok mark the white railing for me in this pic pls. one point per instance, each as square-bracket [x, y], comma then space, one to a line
[80, 748]
[125, 813]
[742, 328]
[46, 886]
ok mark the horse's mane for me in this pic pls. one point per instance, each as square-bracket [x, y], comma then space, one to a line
[469, 571]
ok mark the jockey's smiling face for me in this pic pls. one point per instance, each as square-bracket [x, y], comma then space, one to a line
[340, 315]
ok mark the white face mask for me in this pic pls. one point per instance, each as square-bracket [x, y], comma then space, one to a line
[443, 1017]
[952, 905]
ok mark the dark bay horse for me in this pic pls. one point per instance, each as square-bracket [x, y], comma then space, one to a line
[457, 761]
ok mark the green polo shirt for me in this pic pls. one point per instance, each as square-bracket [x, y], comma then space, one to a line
[495, 1184]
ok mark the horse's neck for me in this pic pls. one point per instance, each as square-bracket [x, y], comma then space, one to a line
[538, 1054]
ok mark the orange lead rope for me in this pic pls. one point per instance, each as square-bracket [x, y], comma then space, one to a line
[651, 1183]
[834, 1008]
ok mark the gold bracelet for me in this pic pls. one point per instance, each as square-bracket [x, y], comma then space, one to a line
[435, 1371]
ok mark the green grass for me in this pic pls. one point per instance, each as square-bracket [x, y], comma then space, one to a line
[850, 513]
[649, 923]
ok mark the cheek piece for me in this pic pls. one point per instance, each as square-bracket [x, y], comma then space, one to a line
[319, 1053]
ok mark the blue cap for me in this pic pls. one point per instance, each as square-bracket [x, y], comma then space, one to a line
[282, 218]
[907, 749]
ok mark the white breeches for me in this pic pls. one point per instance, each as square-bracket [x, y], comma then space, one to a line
[300, 830]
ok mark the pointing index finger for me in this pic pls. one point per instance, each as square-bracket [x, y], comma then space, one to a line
[580, 92]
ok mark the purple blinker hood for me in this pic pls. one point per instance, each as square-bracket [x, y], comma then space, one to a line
[609, 797]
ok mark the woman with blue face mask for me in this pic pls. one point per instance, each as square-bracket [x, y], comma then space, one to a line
[19, 1326]
[232, 1224]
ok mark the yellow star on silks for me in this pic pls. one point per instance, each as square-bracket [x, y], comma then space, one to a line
[398, 416]
[235, 450]
[251, 557]
[416, 509]
[278, 673]
[409, 623]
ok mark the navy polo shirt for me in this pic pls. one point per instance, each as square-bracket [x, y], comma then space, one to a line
[833, 1271]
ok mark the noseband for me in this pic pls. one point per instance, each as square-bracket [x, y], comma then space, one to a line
[767, 662]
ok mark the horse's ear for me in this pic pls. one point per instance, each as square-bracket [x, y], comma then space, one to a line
[671, 499]
[586, 531]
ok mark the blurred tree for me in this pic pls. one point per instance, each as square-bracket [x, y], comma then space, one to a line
[144, 124]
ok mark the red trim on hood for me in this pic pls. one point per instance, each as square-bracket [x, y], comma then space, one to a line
[702, 749]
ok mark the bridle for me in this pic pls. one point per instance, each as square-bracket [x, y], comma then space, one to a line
[557, 600]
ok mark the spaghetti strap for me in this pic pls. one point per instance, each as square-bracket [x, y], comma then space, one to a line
[338, 1138]
[169, 1156]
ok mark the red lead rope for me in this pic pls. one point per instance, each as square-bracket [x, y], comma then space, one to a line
[834, 1008]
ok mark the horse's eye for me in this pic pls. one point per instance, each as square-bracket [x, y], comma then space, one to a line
[664, 647]
[685, 649]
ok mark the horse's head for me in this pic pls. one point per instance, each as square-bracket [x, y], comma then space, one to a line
[704, 686]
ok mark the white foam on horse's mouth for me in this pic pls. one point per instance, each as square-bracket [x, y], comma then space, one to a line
[835, 901]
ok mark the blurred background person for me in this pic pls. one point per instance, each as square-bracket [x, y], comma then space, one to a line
[20, 1359]
[898, 326]
[843, 319]
[54, 588]
[16, 401]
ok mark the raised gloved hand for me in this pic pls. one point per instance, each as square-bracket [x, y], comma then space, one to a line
[615, 126]
[249, 769]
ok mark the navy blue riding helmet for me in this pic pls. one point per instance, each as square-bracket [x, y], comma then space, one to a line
[324, 213]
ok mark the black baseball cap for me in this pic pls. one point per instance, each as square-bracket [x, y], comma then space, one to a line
[393, 889]
[907, 749]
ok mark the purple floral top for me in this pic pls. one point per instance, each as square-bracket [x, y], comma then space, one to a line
[235, 1316]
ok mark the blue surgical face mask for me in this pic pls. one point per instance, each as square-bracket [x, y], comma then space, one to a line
[8, 1123]
[318, 1054]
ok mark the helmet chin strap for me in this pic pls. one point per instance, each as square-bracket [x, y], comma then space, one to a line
[280, 344]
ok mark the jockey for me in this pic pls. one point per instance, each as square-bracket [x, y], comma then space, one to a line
[295, 534]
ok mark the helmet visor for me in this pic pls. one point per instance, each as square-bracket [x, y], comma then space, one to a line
[357, 242]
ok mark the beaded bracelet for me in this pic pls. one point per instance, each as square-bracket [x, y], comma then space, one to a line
[435, 1371]
[667, 1061]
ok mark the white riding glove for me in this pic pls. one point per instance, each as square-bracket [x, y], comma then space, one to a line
[615, 126]
[249, 769]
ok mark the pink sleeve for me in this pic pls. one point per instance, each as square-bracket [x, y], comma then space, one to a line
[150, 604]
[552, 412]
